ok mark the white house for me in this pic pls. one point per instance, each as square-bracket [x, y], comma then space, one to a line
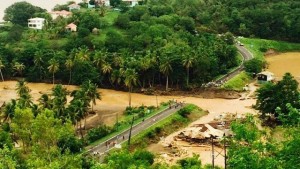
[63, 13]
[36, 23]
[132, 3]
[74, 6]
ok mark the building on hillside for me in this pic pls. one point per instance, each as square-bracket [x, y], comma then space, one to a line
[71, 27]
[265, 77]
[104, 2]
[132, 3]
[63, 13]
[74, 7]
[36, 23]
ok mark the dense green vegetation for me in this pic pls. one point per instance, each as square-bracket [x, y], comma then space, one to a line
[148, 45]
[278, 100]
[171, 42]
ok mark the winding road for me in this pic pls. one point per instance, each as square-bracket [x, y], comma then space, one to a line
[246, 56]
[103, 148]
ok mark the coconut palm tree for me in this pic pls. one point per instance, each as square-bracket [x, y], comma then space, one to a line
[19, 67]
[25, 99]
[165, 67]
[82, 54]
[69, 65]
[59, 101]
[106, 68]
[188, 61]
[131, 77]
[53, 68]
[78, 109]
[2, 66]
[9, 110]
[38, 61]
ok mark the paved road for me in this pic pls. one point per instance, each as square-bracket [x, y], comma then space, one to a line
[102, 148]
[246, 56]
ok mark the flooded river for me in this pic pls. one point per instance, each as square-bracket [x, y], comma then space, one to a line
[285, 62]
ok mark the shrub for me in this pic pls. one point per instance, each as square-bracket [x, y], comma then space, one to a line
[143, 156]
[99, 132]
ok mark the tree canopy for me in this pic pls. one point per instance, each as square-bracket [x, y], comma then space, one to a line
[20, 12]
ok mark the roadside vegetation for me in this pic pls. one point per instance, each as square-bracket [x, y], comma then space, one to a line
[238, 82]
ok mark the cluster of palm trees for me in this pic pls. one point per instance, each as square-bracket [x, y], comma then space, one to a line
[75, 111]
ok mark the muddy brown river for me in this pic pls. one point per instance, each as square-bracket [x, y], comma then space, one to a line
[285, 62]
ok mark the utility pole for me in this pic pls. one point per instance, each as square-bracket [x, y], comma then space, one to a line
[225, 157]
[129, 137]
[212, 151]
[117, 121]
[156, 100]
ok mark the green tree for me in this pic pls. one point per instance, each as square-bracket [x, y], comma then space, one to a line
[53, 68]
[38, 62]
[69, 65]
[166, 68]
[20, 12]
[19, 67]
[188, 61]
[131, 78]
[254, 65]
[271, 96]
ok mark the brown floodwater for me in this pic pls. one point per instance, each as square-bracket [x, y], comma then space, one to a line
[284, 62]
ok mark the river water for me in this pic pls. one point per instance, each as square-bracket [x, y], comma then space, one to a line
[45, 4]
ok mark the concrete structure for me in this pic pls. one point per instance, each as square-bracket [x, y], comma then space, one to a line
[104, 2]
[63, 13]
[74, 7]
[265, 76]
[36, 23]
[132, 3]
[71, 27]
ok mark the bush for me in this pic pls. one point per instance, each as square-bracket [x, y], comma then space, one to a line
[70, 143]
[143, 156]
[99, 132]
[184, 112]
[254, 65]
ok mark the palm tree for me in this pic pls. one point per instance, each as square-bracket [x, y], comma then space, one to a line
[45, 101]
[21, 88]
[106, 68]
[69, 65]
[25, 99]
[82, 54]
[1, 67]
[188, 61]
[78, 108]
[165, 67]
[99, 58]
[38, 61]
[9, 109]
[131, 77]
[60, 100]
[19, 67]
[53, 68]
[91, 92]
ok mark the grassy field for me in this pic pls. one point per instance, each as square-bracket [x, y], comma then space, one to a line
[238, 82]
[259, 46]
